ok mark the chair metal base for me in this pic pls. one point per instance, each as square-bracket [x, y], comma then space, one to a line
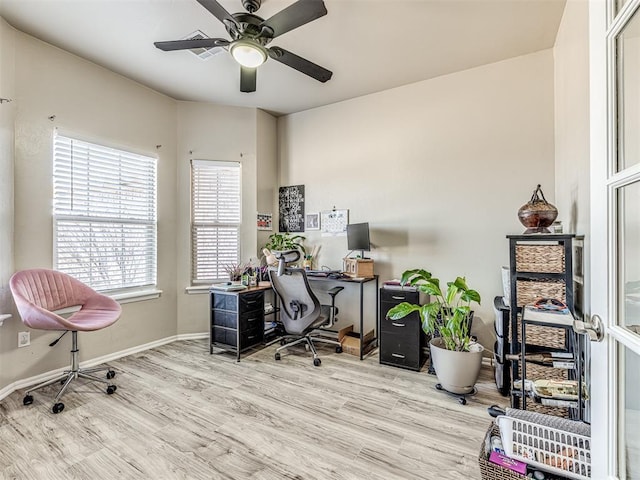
[69, 376]
[309, 340]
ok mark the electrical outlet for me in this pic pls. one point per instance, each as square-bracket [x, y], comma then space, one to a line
[24, 339]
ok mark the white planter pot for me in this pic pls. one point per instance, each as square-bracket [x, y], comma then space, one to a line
[457, 372]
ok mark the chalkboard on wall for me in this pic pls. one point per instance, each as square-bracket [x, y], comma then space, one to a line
[291, 203]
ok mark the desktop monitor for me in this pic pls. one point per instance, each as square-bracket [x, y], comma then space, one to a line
[358, 237]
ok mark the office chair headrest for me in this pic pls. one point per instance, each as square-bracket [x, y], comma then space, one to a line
[285, 257]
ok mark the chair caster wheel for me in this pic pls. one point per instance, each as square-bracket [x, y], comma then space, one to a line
[462, 401]
[283, 342]
[338, 349]
[317, 362]
[277, 356]
[111, 389]
[58, 407]
[438, 386]
[111, 374]
[27, 400]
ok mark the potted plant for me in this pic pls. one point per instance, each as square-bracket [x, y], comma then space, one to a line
[455, 356]
[235, 270]
[282, 242]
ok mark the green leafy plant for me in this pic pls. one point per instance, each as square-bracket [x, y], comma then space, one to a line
[285, 241]
[449, 313]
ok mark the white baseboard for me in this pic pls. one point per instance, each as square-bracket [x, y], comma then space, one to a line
[43, 377]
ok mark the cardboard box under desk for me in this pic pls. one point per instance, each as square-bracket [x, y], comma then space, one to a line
[351, 342]
[334, 334]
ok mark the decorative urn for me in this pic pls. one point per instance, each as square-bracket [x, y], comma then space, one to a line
[537, 214]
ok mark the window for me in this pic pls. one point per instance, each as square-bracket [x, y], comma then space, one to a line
[104, 208]
[215, 219]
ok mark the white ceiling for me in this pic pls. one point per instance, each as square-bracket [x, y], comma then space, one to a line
[370, 45]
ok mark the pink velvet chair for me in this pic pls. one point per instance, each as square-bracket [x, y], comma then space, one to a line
[40, 292]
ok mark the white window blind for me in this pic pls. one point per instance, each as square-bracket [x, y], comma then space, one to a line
[104, 209]
[215, 219]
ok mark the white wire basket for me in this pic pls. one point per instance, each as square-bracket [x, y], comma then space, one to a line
[555, 451]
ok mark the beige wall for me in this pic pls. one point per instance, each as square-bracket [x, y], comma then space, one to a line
[214, 132]
[572, 158]
[92, 102]
[96, 104]
[438, 169]
[7, 113]
[571, 79]
[267, 171]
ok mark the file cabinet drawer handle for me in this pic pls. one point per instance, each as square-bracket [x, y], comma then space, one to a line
[398, 324]
[252, 319]
[397, 355]
[397, 297]
[251, 337]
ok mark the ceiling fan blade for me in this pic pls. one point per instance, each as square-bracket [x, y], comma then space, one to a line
[248, 79]
[191, 43]
[219, 12]
[301, 64]
[295, 15]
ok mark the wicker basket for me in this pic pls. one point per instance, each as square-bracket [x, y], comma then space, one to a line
[544, 336]
[491, 471]
[540, 258]
[529, 291]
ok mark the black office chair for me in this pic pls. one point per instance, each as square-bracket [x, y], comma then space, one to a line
[300, 311]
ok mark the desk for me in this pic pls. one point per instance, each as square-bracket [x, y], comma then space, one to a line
[237, 317]
[360, 283]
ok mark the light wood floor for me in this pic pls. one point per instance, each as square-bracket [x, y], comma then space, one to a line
[180, 413]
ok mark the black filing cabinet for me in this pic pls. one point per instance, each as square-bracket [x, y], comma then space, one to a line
[401, 341]
[237, 320]
[501, 347]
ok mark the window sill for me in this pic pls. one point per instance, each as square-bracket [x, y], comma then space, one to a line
[197, 289]
[122, 298]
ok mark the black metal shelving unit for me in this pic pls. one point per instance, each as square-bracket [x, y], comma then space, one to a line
[518, 344]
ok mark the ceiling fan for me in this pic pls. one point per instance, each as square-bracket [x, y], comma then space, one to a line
[251, 34]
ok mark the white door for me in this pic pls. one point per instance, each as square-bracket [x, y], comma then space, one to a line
[615, 236]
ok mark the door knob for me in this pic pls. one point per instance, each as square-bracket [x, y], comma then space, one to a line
[594, 328]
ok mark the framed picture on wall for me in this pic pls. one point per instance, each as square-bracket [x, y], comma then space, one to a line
[312, 221]
[264, 221]
[334, 222]
[291, 205]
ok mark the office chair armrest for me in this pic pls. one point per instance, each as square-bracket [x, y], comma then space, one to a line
[334, 291]
[332, 309]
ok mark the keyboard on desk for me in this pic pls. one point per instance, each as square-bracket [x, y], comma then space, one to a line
[322, 273]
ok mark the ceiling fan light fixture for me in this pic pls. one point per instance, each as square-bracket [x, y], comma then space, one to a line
[248, 54]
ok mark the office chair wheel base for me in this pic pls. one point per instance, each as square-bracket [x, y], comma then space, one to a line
[462, 401]
[111, 389]
[338, 349]
[317, 362]
[111, 374]
[58, 407]
[27, 400]
[277, 356]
